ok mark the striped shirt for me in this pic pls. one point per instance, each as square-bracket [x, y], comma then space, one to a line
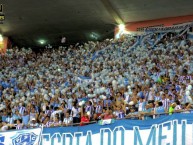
[33, 125]
[19, 126]
[121, 115]
[157, 98]
[9, 120]
[183, 79]
[48, 124]
[141, 106]
[89, 109]
[48, 112]
[98, 109]
[68, 120]
[21, 110]
[57, 123]
[166, 103]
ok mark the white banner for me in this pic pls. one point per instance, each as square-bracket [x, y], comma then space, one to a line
[171, 132]
[21, 137]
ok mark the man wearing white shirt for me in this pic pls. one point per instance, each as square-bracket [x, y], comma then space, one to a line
[68, 119]
[75, 114]
[33, 123]
[3, 126]
[56, 111]
[178, 106]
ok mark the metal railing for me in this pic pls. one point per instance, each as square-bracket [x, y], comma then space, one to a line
[136, 116]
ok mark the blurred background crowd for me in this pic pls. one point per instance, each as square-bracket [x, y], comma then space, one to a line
[113, 79]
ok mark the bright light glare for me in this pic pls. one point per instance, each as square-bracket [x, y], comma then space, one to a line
[42, 41]
[121, 27]
[1, 38]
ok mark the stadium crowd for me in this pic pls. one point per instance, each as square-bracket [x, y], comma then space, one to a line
[96, 81]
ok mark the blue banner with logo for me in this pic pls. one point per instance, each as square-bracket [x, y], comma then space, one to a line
[82, 79]
[21, 137]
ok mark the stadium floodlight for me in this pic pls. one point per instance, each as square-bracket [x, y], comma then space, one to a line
[121, 27]
[42, 41]
[1, 38]
[94, 35]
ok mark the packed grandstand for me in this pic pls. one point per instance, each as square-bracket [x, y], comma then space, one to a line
[135, 77]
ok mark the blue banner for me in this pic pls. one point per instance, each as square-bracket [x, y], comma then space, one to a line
[175, 129]
[82, 79]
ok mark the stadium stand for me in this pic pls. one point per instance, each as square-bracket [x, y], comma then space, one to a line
[132, 78]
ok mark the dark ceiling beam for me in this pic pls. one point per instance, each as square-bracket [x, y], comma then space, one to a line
[112, 11]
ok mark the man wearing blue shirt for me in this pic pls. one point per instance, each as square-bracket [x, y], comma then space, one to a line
[148, 112]
[16, 115]
[4, 116]
[25, 118]
[159, 109]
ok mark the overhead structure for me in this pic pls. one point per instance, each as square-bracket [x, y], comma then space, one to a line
[26, 22]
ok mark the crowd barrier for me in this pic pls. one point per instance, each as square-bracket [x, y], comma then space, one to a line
[176, 129]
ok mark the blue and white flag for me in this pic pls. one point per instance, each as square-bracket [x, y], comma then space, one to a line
[21, 137]
[97, 54]
[126, 82]
[82, 79]
[106, 121]
[190, 36]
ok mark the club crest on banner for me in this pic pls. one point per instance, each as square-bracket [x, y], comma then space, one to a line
[25, 139]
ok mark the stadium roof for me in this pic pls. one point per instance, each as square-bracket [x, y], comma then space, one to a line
[26, 22]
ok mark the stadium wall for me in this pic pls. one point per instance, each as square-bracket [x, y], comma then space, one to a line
[165, 22]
